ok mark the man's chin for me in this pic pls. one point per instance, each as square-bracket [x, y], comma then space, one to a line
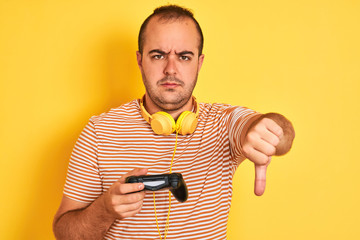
[171, 106]
[171, 103]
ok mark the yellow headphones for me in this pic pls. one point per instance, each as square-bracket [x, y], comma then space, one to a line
[163, 123]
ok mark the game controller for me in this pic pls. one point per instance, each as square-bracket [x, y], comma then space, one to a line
[172, 181]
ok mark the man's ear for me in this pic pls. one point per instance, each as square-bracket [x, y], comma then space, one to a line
[201, 60]
[139, 59]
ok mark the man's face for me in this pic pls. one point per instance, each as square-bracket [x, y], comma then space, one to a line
[170, 62]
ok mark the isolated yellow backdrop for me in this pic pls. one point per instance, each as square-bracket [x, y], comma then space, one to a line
[63, 61]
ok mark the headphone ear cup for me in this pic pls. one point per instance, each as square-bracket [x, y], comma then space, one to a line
[186, 123]
[163, 123]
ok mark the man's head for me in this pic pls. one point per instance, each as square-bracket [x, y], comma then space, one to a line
[170, 13]
[169, 58]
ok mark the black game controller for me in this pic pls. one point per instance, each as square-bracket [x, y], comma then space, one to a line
[173, 181]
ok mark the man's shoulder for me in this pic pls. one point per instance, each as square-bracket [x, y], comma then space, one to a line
[208, 108]
[220, 110]
[124, 111]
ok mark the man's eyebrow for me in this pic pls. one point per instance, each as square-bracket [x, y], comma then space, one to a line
[157, 51]
[185, 53]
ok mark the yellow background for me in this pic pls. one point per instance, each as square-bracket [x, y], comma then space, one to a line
[63, 61]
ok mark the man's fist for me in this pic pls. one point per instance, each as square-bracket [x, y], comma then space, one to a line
[261, 141]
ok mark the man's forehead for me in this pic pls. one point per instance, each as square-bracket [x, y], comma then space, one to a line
[161, 34]
[158, 23]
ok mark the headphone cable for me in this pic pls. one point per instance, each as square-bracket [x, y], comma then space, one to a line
[168, 216]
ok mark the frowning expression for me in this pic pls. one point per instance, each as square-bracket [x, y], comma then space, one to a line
[170, 62]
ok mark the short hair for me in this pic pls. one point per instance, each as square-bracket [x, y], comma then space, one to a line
[170, 12]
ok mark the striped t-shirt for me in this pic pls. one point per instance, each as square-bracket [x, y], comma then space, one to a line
[120, 140]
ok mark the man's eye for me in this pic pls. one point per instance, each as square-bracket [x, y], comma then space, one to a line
[157, 57]
[185, 58]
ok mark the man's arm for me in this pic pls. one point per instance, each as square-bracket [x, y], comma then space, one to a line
[76, 220]
[269, 135]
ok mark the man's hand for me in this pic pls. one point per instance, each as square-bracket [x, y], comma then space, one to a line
[78, 220]
[272, 134]
[124, 200]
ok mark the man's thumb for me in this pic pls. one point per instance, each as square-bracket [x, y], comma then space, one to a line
[260, 179]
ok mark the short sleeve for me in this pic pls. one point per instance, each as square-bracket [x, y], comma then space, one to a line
[239, 122]
[83, 180]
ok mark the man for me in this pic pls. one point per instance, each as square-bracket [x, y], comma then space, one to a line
[98, 204]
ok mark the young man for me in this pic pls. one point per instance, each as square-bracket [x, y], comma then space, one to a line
[98, 204]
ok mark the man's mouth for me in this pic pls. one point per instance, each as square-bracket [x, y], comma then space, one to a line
[170, 82]
[169, 85]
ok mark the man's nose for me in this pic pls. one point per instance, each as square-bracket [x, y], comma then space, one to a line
[170, 68]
